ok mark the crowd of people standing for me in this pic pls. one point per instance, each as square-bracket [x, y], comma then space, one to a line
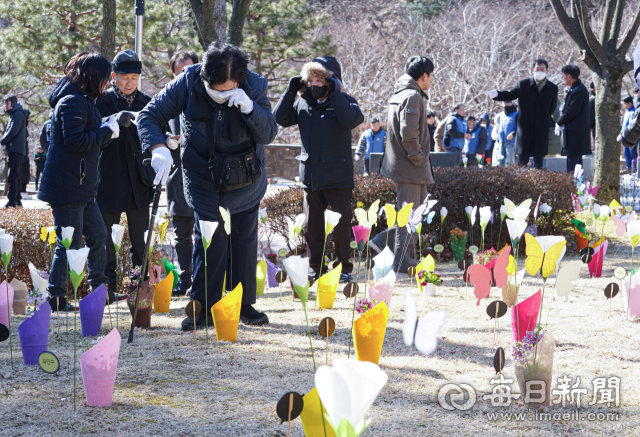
[204, 135]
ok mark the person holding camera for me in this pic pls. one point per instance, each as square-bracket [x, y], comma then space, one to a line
[325, 115]
[125, 185]
[225, 119]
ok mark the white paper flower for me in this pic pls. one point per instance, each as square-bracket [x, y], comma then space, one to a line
[576, 171]
[473, 215]
[485, 215]
[262, 214]
[583, 200]
[465, 159]
[581, 188]
[298, 269]
[596, 210]
[77, 259]
[468, 210]
[520, 213]
[605, 211]
[545, 209]
[633, 229]
[207, 229]
[117, 232]
[39, 283]
[348, 390]
[444, 211]
[626, 179]
[503, 212]
[67, 236]
[6, 244]
[331, 219]
[516, 229]
[153, 239]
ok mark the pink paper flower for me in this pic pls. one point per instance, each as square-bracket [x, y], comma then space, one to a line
[362, 236]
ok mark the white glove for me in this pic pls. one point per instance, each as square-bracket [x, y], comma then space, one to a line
[240, 99]
[112, 124]
[493, 93]
[161, 162]
[559, 130]
[356, 158]
[171, 143]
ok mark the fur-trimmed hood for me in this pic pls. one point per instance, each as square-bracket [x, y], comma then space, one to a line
[324, 67]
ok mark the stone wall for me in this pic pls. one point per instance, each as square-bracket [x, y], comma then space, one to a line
[282, 162]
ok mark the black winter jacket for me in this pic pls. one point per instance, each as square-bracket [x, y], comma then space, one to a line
[120, 183]
[576, 136]
[186, 97]
[325, 130]
[40, 159]
[15, 137]
[534, 114]
[71, 172]
[176, 202]
[45, 135]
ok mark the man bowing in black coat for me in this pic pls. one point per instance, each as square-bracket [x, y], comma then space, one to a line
[573, 123]
[122, 188]
[537, 98]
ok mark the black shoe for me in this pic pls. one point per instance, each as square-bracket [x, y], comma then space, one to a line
[68, 308]
[9, 205]
[250, 316]
[187, 323]
[181, 290]
[346, 277]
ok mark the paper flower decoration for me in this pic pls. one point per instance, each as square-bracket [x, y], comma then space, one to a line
[503, 212]
[577, 171]
[39, 283]
[516, 229]
[207, 229]
[520, 213]
[295, 228]
[373, 213]
[473, 215]
[77, 260]
[468, 210]
[605, 211]
[328, 286]
[331, 219]
[92, 311]
[347, 391]
[545, 209]
[226, 315]
[99, 366]
[443, 214]
[383, 263]
[596, 211]
[226, 218]
[262, 214]
[362, 236]
[117, 232]
[390, 210]
[485, 216]
[153, 239]
[298, 270]
[544, 254]
[633, 228]
[465, 160]
[6, 246]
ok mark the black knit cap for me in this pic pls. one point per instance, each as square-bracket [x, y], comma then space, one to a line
[127, 61]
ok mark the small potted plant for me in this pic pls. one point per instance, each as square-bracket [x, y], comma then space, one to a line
[429, 281]
[533, 358]
[272, 258]
[147, 291]
[487, 258]
[458, 243]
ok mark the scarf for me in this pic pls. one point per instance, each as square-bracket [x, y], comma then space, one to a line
[127, 98]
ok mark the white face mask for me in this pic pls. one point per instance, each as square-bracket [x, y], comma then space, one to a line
[539, 75]
[215, 95]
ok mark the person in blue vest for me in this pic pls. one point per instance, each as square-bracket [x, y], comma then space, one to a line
[455, 132]
[477, 142]
[504, 149]
[630, 153]
[373, 140]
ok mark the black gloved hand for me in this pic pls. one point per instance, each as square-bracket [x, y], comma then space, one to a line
[334, 85]
[295, 84]
[124, 118]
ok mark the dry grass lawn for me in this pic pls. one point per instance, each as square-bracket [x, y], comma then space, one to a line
[170, 384]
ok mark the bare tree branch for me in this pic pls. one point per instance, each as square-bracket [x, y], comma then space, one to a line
[631, 34]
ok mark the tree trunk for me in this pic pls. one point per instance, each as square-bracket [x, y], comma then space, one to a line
[236, 22]
[108, 39]
[607, 159]
[210, 20]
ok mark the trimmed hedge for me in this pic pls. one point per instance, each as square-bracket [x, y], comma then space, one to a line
[455, 188]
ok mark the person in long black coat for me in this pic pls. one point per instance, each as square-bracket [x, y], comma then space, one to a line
[574, 120]
[121, 188]
[537, 98]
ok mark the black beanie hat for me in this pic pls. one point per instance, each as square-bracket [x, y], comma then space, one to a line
[127, 61]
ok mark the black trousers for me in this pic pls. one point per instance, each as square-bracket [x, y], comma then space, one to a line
[572, 161]
[137, 223]
[38, 173]
[366, 165]
[233, 254]
[14, 164]
[183, 226]
[537, 160]
[315, 203]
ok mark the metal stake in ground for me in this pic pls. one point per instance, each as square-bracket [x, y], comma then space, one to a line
[154, 211]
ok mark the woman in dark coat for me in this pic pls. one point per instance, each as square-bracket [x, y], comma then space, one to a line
[70, 178]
